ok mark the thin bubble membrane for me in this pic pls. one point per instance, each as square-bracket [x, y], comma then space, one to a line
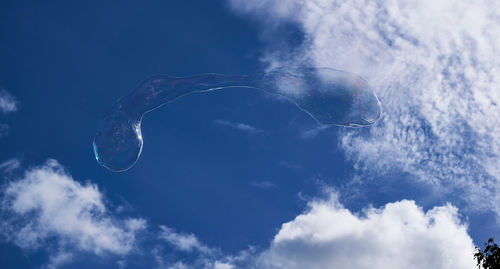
[329, 96]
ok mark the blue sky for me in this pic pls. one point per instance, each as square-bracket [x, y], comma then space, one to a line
[238, 178]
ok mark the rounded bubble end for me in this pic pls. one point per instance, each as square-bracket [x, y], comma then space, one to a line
[118, 142]
[334, 97]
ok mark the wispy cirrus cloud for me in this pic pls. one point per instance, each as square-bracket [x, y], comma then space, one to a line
[264, 184]
[312, 133]
[289, 165]
[181, 241]
[10, 165]
[202, 256]
[47, 209]
[435, 69]
[239, 126]
[4, 129]
[7, 102]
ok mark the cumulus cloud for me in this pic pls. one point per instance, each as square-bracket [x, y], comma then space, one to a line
[7, 102]
[398, 235]
[328, 235]
[47, 209]
[240, 126]
[435, 68]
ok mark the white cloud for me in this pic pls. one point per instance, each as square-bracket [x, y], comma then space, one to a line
[312, 133]
[4, 129]
[47, 209]
[435, 67]
[184, 242]
[195, 253]
[222, 265]
[59, 259]
[398, 235]
[7, 102]
[240, 126]
[289, 165]
[178, 265]
[327, 235]
[263, 184]
[10, 165]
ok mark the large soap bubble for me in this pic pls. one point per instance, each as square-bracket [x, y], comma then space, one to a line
[329, 96]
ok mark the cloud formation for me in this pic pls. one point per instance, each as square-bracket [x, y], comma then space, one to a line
[327, 235]
[10, 165]
[239, 126]
[7, 102]
[47, 209]
[265, 185]
[183, 242]
[4, 129]
[398, 235]
[435, 68]
[196, 254]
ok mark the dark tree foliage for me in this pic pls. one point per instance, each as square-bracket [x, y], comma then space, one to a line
[489, 258]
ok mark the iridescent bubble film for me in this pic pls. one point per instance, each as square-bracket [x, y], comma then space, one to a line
[329, 96]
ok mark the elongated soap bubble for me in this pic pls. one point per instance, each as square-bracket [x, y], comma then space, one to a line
[329, 96]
